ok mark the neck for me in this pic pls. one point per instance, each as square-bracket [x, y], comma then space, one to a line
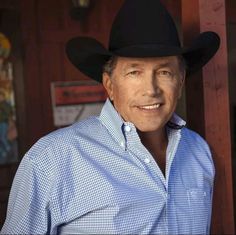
[154, 138]
[156, 143]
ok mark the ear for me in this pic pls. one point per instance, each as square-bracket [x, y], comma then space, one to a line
[183, 75]
[108, 85]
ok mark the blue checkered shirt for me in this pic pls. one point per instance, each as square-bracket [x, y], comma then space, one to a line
[96, 177]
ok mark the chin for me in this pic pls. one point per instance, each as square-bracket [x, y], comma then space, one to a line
[151, 125]
[149, 128]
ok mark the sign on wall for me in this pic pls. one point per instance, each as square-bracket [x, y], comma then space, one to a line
[74, 101]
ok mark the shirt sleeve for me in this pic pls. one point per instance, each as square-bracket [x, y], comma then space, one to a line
[28, 209]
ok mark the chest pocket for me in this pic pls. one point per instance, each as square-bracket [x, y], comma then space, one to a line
[199, 200]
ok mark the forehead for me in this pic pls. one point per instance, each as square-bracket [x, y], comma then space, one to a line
[125, 62]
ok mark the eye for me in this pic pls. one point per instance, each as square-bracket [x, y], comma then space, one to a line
[134, 73]
[165, 74]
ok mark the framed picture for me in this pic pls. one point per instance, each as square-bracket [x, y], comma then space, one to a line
[8, 130]
[74, 101]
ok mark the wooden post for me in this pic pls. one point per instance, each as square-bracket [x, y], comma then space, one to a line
[199, 16]
[194, 84]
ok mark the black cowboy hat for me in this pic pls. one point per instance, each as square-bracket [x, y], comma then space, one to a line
[142, 28]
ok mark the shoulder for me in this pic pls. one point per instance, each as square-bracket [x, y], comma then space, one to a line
[60, 147]
[195, 145]
[193, 137]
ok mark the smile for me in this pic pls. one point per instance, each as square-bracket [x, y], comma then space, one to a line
[150, 107]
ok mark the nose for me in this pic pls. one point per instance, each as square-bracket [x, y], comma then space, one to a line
[151, 85]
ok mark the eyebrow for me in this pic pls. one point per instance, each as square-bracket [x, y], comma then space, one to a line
[135, 65]
[166, 64]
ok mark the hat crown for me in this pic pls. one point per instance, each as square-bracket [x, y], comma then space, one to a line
[143, 22]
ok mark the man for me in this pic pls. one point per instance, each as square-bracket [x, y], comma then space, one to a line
[136, 168]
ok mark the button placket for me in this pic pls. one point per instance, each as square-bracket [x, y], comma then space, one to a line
[135, 146]
[147, 160]
[127, 128]
[122, 144]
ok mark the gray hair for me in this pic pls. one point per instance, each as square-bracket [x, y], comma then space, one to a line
[110, 65]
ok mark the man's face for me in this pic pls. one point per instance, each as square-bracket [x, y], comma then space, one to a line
[145, 91]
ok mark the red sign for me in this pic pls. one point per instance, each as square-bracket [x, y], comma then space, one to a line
[79, 94]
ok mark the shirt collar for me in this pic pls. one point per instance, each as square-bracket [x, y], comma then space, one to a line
[112, 120]
[176, 121]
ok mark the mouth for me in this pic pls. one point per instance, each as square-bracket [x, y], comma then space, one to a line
[150, 107]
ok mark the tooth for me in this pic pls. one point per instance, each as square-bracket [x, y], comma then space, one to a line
[154, 106]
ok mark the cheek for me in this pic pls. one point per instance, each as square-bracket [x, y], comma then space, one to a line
[119, 96]
[173, 94]
[122, 99]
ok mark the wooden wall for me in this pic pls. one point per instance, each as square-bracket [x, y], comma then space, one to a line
[46, 27]
[208, 104]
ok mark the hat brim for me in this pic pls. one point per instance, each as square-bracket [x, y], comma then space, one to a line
[89, 55]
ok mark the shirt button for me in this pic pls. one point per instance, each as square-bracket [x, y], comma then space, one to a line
[127, 128]
[147, 160]
[122, 144]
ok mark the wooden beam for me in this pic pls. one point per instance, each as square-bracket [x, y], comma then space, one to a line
[194, 84]
[202, 16]
[217, 112]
